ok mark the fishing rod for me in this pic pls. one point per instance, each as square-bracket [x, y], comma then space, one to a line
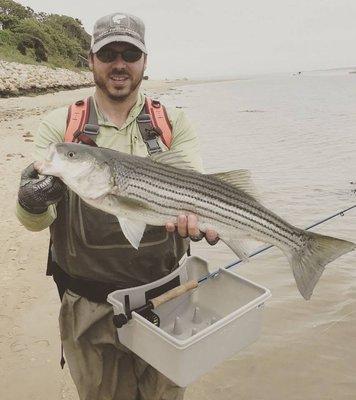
[146, 310]
[261, 250]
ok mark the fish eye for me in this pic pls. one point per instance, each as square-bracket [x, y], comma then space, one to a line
[70, 154]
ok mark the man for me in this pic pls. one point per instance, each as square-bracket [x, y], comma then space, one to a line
[88, 249]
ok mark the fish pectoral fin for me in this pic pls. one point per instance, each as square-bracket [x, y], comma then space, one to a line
[173, 158]
[238, 246]
[240, 179]
[133, 230]
[96, 195]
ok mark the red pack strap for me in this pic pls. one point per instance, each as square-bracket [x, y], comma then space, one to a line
[78, 115]
[82, 122]
[159, 119]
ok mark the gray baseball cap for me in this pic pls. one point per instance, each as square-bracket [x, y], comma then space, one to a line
[118, 27]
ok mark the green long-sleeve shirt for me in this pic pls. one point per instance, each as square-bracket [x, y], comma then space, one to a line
[127, 139]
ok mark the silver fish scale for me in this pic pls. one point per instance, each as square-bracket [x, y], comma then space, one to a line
[168, 191]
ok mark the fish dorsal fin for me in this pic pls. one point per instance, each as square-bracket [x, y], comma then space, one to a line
[133, 230]
[240, 178]
[173, 158]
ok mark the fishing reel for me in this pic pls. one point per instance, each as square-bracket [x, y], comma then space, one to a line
[145, 311]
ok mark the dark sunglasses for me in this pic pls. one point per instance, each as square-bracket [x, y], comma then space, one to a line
[107, 55]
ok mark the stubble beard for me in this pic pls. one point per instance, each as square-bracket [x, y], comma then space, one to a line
[101, 83]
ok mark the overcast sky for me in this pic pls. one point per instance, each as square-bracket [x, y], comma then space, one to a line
[202, 38]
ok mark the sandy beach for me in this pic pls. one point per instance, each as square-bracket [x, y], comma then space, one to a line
[307, 350]
[29, 339]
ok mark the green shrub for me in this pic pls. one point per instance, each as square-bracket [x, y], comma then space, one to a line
[72, 28]
[7, 38]
[9, 7]
[9, 21]
[27, 41]
[58, 39]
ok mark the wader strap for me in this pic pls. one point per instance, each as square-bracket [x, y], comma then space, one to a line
[160, 120]
[148, 133]
[153, 123]
[51, 271]
[76, 118]
[82, 122]
[51, 267]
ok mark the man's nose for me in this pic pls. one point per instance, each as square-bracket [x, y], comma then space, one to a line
[119, 60]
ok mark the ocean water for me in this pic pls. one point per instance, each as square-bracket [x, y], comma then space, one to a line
[296, 134]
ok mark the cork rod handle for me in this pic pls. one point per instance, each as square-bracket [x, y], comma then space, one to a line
[173, 293]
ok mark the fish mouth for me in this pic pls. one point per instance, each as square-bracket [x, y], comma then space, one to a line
[43, 166]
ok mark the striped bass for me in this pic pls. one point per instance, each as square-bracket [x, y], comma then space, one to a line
[155, 190]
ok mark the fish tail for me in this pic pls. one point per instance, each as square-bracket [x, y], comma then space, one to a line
[308, 262]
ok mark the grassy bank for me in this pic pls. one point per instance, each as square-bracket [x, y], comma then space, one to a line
[10, 54]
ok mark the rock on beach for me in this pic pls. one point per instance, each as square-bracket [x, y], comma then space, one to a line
[18, 79]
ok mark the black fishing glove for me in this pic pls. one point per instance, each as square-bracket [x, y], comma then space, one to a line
[37, 193]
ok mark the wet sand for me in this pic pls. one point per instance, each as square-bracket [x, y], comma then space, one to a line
[307, 350]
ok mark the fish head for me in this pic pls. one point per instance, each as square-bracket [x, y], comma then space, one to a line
[83, 168]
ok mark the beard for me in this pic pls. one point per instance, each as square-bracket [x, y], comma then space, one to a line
[118, 93]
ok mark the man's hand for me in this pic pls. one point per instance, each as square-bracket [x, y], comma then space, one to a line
[36, 194]
[188, 226]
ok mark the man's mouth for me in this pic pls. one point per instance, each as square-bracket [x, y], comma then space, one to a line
[119, 78]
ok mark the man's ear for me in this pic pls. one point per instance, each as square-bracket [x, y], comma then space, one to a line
[90, 60]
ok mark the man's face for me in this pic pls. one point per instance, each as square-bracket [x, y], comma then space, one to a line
[117, 78]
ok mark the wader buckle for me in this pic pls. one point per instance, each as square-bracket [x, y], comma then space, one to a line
[91, 129]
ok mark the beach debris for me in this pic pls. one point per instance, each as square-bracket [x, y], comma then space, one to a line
[11, 155]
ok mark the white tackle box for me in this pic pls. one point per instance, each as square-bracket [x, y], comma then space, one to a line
[199, 329]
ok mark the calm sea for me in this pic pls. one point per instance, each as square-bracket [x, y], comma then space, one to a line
[297, 136]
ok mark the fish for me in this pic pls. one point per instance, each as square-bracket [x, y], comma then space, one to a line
[154, 190]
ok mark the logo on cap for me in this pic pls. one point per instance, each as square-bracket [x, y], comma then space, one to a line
[117, 18]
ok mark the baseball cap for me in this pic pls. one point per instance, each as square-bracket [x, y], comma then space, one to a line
[118, 27]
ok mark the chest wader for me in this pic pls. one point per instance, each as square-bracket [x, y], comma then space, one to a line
[88, 252]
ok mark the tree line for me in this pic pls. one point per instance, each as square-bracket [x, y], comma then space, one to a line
[59, 40]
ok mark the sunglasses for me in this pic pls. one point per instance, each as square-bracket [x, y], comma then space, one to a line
[107, 55]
